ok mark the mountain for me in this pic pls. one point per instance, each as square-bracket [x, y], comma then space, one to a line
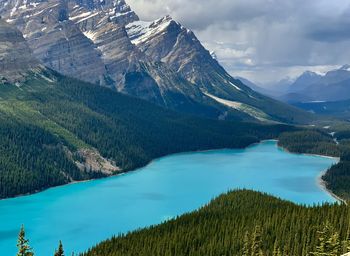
[104, 42]
[15, 55]
[55, 129]
[303, 81]
[333, 86]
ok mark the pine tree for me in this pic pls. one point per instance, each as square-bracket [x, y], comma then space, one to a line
[246, 244]
[60, 251]
[346, 243]
[276, 250]
[256, 242]
[328, 242]
[333, 244]
[23, 244]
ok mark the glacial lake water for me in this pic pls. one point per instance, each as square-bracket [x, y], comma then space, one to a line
[85, 213]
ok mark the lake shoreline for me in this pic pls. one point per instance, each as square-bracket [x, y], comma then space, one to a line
[320, 181]
[323, 184]
[124, 172]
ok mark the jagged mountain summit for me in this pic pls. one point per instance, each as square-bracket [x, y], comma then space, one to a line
[106, 43]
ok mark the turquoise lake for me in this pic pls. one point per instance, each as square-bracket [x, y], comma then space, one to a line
[85, 213]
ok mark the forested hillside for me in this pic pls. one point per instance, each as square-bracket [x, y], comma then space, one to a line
[49, 121]
[31, 159]
[241, 223]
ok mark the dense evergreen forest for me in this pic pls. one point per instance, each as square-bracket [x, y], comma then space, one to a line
[241, 223]
[46, 120]
[31, 159]
[337, 178]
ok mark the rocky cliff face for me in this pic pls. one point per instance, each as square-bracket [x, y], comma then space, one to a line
[56, 40]
[15, 55]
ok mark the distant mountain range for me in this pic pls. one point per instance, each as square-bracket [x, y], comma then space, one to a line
[327, 94]
[310, 86]
[105, 42]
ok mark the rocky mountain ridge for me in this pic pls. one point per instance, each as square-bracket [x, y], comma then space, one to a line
[105, 42]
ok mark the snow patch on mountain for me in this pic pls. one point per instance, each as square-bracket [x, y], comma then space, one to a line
[80, 16]
[90, 34]
[235, 86]
[142, 31]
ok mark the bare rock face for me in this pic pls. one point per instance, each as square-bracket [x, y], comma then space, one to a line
[118, 54]
[64, 48]
[55, 40]
[15, 56]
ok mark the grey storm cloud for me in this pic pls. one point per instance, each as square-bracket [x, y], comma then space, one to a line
[263, 39]
[331, 29]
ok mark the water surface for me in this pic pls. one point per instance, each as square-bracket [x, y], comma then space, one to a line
[85, 213]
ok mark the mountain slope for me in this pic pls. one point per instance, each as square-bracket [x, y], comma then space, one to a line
[104, 42]
[305, 80]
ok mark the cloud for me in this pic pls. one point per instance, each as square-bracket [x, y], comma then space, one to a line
[263, 38]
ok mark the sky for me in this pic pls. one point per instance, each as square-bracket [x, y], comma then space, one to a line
[264, 40]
